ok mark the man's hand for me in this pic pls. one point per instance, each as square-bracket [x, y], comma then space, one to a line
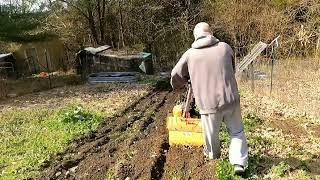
[180, 73]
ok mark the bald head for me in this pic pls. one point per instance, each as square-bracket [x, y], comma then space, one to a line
[200, 29]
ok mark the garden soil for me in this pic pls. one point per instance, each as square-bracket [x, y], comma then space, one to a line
[131, 145]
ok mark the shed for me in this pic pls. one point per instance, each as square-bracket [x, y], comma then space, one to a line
[7, 64]
[105, 59]
[32, 57]
[111, 60]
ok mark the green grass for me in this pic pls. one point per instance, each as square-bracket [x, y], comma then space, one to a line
[281, 169]
[224, 170]
[31, 136]
[251, 122]
[156, 82]
[261, 165]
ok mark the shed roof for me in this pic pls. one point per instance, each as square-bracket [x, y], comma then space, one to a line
[97, 50]
[2, 56]
[122, 54]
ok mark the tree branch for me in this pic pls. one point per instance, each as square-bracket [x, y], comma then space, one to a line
[76, 7]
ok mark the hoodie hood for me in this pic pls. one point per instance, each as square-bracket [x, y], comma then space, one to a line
[205, 41]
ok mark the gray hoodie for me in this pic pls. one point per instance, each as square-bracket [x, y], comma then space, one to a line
[209, 64]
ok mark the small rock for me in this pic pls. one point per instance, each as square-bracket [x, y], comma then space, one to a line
[58, 174]
[73, 169]
[127, 178]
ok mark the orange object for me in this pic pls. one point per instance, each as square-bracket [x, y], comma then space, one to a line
[177, 111]
[44, 74]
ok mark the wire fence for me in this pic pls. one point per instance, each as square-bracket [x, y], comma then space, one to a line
[254, 67]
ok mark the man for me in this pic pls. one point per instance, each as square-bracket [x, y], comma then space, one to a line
[209, 65]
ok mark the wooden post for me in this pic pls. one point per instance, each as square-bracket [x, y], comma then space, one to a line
[34, 65]
[3, 88]
[317, 55]
[273, 53]
[48, 68]
[252, 76]
[274, 46]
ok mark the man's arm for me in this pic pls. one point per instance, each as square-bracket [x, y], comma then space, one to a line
[180, 73]
[232, 58]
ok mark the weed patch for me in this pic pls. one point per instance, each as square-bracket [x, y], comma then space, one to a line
[31, 136]
[251, 121]
[224, 170]
[266, 157]
[280, 169]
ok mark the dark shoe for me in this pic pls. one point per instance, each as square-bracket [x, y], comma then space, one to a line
[238, 170]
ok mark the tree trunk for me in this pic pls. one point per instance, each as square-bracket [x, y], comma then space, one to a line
[103, 21]
[92, 25]
[101, 17]
[121, 38]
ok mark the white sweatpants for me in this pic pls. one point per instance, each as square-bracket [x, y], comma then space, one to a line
[238, 149]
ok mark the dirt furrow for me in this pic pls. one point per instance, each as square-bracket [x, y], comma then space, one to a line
[97, 166]
[187, 163]
[134, 144]
[157, 169]
[106, 127]
[148, 153]
[91, 156]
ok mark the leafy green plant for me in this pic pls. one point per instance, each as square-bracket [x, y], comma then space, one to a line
[302, 175]
[224, 170]
[251, 121]
[110, 175]
[76, 114]
[258, 141]
[304, 165]
[280, 169]
[223, 135]
[175, 175]
[131, 154]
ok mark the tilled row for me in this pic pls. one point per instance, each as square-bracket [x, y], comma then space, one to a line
[105, 153]
[187, 163]
[133, 145]
[145, 157]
